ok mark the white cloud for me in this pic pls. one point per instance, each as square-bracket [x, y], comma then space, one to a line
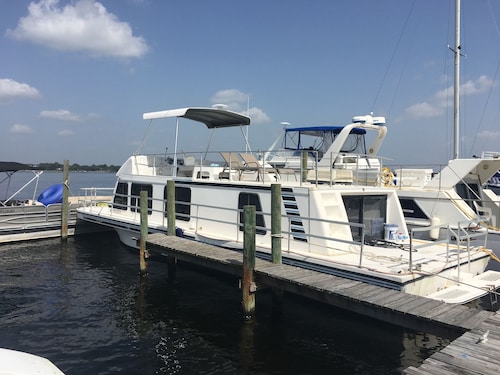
[10, 89]
[482, 84]
[424, 109]
[238, 101]
[21, 129]
[489, 134]
[61, 114]
[66, 133]
[443, 99]
[83, 25]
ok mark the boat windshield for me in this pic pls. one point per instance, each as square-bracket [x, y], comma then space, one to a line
[320, 138]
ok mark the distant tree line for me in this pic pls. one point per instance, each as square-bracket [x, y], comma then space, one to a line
[79, 168]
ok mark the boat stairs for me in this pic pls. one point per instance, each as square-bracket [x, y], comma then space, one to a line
[470, 353]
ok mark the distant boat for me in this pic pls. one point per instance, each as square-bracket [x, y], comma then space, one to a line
[37, 216]
[339, 227]
[453, 197]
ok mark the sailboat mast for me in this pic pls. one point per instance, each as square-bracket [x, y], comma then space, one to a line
[456, 96]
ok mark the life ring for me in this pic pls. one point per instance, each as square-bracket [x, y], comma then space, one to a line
[53, 194]
[386, 177]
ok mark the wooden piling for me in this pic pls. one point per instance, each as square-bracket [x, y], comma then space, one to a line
[144, 231]
[276, 223]
[277, 294]
[247, 285]
[171, 261]
[171, 208]
[65, 203]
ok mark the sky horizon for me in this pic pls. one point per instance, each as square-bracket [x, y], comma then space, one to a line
[78, 75]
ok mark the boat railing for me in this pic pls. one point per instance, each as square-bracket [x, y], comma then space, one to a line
[305, 235]
[462, 236]
[95, 196]
[26, 214]
[203, 215]
[345, 169]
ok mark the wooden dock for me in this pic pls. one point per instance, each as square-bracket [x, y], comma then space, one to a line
[468, 354]
[464, 355]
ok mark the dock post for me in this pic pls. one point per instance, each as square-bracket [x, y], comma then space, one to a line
[171, 261]
[144, 232]
[276, 223]
[171, 208]
[65, 203]
[277, 294]
[248, 286]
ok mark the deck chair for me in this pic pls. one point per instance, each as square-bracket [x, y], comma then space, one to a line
[233, 163]
[252, 164]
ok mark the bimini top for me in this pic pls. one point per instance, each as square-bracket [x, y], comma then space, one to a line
[211, 117]
[12, 166]
[320, 130]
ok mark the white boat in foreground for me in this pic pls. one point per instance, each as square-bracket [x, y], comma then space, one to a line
[354, 231]
[13, 362]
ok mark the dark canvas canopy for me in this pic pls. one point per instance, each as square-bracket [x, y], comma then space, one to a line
[211, 117]
[12, 166]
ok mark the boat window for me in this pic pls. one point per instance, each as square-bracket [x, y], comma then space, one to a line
[121, 196]
[182, 203]
[411, 210]
[251, 199]
[369, 210]
[135, 201]
[354, 144]
[469, 193]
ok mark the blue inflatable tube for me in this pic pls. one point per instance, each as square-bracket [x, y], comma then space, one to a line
[53, 194]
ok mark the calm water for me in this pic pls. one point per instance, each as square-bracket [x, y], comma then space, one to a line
[83, 305]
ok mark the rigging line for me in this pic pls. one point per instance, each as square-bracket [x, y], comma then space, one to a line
[393, 54]
[493, 17]
[209, 143]
[484, 109]
[143, 139]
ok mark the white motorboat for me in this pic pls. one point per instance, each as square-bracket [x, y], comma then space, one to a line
[332, 151]
[434, 200]
[14, 362]
[351, 230]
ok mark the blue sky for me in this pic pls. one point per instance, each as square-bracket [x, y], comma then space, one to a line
[76, 76]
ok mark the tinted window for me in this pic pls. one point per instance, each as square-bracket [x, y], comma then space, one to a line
[120, 198]
[135, 199]
[182, 203]
[251, 199]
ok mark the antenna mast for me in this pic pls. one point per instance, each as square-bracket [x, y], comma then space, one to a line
[456, 92]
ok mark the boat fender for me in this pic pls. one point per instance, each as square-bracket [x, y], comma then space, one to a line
[434, 232]
[179, 232]
[53, 194]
